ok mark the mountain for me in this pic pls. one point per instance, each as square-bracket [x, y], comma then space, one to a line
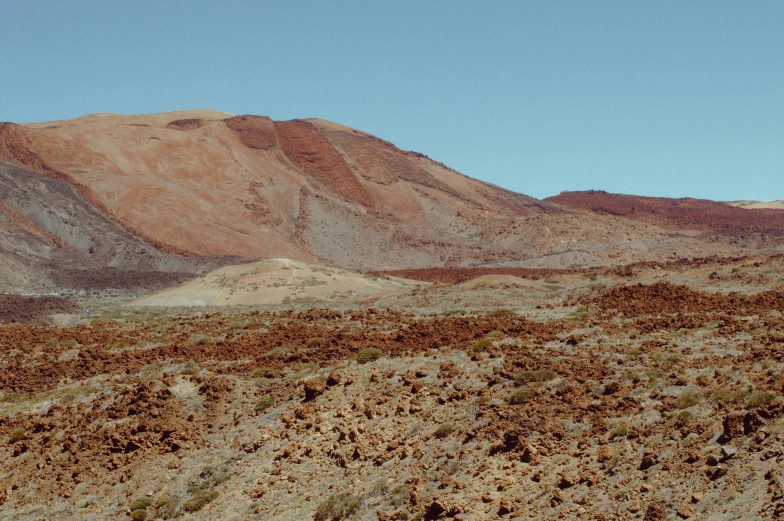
[708, 220]
[185, 192]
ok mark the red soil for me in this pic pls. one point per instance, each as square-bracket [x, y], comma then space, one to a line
[312, 152]
[677, 214]
[257, 132]
[33, 310]
[185, 124]
[458, 275]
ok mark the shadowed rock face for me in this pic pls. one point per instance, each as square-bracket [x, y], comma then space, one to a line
[62, 238]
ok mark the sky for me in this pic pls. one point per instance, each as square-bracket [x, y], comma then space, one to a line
[664, 98]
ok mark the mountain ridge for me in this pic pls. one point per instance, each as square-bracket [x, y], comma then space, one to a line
[208, 184]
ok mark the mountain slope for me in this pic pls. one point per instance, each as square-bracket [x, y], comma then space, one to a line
[205, 183]
[698, 217]
[52, 237]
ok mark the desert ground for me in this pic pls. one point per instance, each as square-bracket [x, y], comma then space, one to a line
[646, 391]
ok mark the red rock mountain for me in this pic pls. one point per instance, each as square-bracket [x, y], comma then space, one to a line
[182, 191]
[686, 214]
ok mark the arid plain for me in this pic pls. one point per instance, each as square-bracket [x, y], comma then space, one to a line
[210, 316]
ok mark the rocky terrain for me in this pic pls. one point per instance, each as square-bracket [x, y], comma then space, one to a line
[651, 391]
[209, 316]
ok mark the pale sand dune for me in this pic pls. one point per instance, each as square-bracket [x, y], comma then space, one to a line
[276, 281]
[776, 205]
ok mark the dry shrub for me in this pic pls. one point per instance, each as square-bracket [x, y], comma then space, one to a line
[371, 354]
[337, 507]
[520, 396]
[542, 375]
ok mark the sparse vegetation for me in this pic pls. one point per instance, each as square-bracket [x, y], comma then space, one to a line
[683, 418]
[759, 399]
[481, 345]
[140, 503]
[621, 431]
[520, 396]
[167, 507]
[444, 430]
[338, 507]
[371, 354]
[201, 339]
[314, 342]
[501, 312]
[264, 403]
[261, 372]
[541, 375]
[688, 398]
[730, 396]
[190, 368]
[16, 434]
[199, 500]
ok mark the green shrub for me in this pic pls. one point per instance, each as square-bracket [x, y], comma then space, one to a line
[16, 434]
[760, 399]
[495, 334]
[13, 398]
[149, 372]
[200, 339]
[209, 477]
[261, 372]
[370, 354]
[683, 418]
[444, 430]
[200, 500]
[520, 396]
[620, 431]
[265, 403]
[378, 488]
[314, 342]
[190, 367]
[400, 494]
[542, 375]
[482, 400]
[481, 345]
[69, 344]
[139, 515]
[166, 507]
[140, 503]
[500, 312]
[725, 396]
[688, 398]
[337, 507]
[51, 342]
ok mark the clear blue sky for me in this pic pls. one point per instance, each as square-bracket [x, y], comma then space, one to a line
[670, 98]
